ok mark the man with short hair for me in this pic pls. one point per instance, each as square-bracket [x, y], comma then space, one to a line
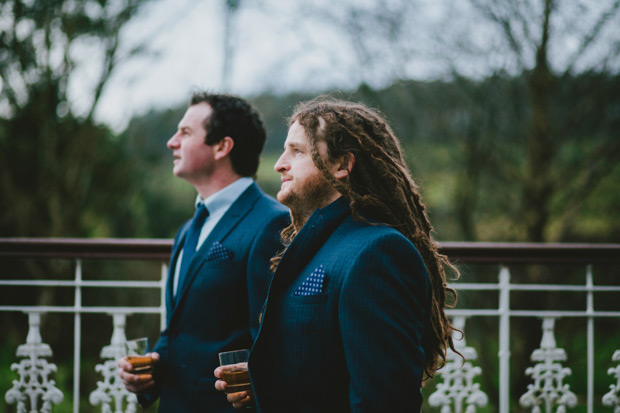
[354, 320]
[219, 268]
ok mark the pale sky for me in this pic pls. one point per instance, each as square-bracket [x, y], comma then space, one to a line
[282, 47]
[277, 49]
[185, 38]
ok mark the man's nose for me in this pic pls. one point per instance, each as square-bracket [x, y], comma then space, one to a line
[172, 142]
[281, 165]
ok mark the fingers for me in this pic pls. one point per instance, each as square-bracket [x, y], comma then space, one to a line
[238, 366]
[220, 385]
[240, 400]
[136, 383]
[237, 397]
[124, 364]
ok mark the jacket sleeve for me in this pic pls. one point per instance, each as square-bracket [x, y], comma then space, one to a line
[382, 314]
[161, 346]
[148, 398]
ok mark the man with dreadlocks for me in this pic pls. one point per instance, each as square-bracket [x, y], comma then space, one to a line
[354, 320]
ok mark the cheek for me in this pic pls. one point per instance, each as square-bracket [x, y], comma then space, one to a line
[310, 171]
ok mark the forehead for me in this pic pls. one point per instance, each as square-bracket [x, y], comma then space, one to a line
[195, 115]
[297, 138]
[296, 135]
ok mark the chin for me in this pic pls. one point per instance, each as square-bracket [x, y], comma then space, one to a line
[285, 197]
[281, 197]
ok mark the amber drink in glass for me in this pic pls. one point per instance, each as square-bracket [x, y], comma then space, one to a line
[235, 370]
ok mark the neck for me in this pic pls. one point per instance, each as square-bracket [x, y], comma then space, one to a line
[299, 219]
[299, 216]
[214, 183]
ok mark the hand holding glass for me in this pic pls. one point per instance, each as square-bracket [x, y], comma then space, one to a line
[135, 351]
[235, 370]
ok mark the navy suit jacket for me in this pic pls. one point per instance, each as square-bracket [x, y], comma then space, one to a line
[355, 342]
[217, 307]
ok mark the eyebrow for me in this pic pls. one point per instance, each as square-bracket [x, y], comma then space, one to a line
[297, 145]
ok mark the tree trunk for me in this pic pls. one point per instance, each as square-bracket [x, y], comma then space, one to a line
[540, 147]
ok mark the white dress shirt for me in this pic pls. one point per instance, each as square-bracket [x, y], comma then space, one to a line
[217, 204]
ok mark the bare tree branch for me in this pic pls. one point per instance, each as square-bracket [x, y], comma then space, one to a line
[593, 35]
[505, 25]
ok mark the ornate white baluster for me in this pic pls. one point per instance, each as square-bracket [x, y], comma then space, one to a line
[548, 375]
[458, 388]
[111, 390]
[612, 398]
[34, 384]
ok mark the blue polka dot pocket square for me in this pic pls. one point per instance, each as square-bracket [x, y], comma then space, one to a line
[313, 285]
[218, 252]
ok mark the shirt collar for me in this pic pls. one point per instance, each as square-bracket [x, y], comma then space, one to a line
[224, 198]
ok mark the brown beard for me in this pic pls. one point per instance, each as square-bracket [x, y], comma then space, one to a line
[302, 203]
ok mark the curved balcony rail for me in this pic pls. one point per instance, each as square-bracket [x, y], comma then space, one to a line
[507, 293]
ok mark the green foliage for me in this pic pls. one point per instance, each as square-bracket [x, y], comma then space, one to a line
[7, 357]
[60, 173]
[62, 177]
[465, 142]
[484, 173]
[36, 41]
[162, 201]
[469, 143]
[275, 110]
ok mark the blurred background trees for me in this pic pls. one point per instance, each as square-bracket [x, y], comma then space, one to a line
[514, 137]
[61, 172]
[555, 53]
[508, 112]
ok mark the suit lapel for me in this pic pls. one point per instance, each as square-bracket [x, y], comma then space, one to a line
[176, 249]
[235, 214]
[306, 244]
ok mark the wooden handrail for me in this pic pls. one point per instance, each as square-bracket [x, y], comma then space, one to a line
[487, 252]
[90, 248]
[160, 249]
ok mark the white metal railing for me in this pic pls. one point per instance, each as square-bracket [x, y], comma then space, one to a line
[33, 369]
[550, 393]
[29, 384]
[457, 389]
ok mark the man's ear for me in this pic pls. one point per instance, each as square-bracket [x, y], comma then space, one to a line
[222, 148]
[345, 166]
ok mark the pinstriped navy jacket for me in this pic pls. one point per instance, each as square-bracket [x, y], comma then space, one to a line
[343, 322]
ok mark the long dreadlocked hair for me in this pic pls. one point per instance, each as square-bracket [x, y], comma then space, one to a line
[381, 186]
